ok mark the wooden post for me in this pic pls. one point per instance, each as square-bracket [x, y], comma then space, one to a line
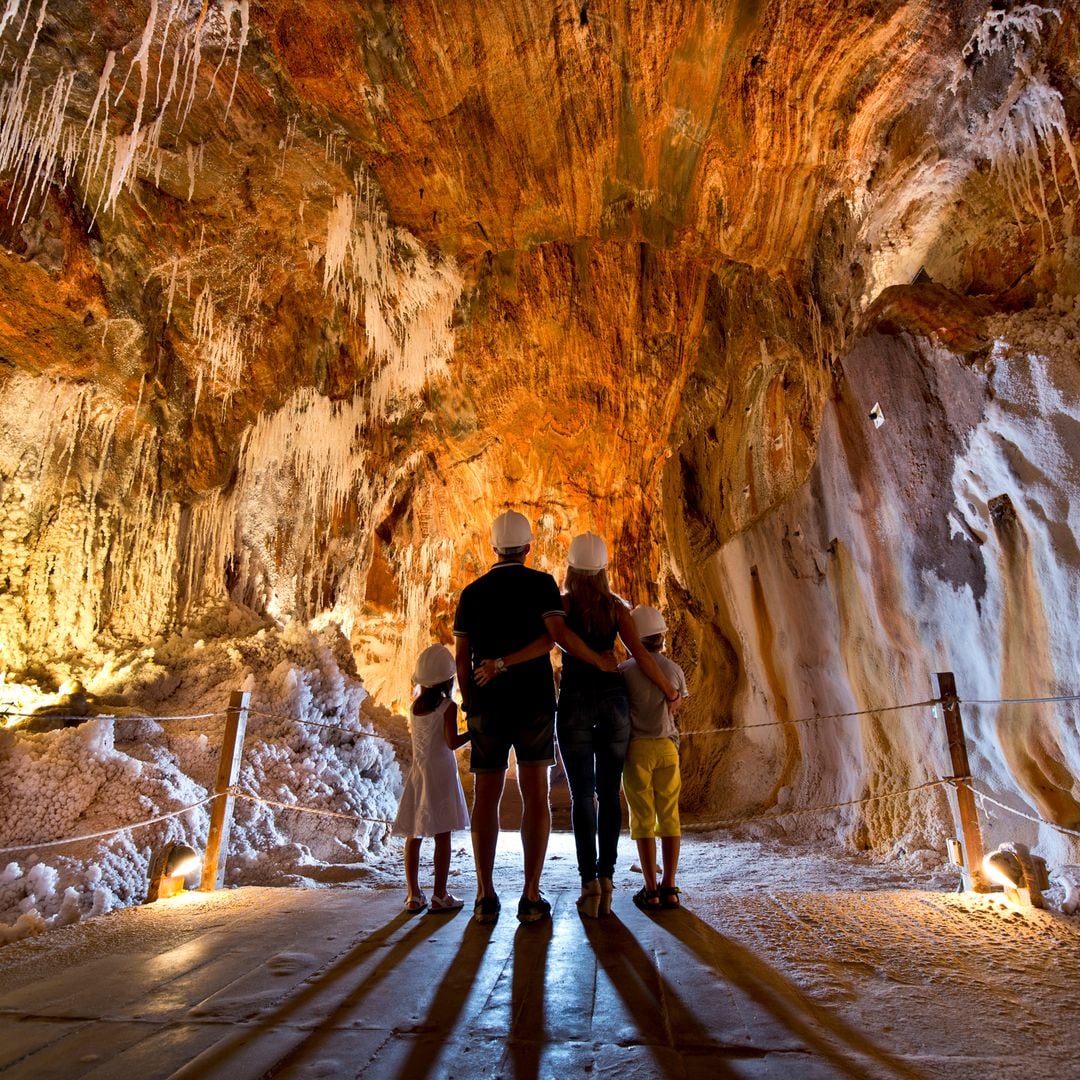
[232, 746]
[965, 799]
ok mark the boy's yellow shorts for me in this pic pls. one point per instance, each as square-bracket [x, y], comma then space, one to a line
[651, 783]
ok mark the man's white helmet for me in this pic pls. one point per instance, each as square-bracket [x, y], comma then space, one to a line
[648, 621]
[509, 531]
[434, 666]
[588, 553]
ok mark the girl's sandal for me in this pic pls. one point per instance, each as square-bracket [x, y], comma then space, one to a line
[444, 903]
[647, 899]
[414, 904]
[669, 896]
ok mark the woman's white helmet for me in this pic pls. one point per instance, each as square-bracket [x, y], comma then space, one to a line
[648, 621]
[434, 666]
[588, 553]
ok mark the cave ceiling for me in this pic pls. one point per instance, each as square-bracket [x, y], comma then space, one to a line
[624, 246]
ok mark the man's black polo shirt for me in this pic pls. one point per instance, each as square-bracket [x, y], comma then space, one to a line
[501, 612]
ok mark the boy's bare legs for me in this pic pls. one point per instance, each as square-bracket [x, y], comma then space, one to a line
[535, 824]
[442, 862]
[669, 847]
[487, 797]
[646, 849]
[412, 865]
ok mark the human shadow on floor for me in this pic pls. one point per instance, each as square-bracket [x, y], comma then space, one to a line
[306, 1021]
[436, 1030]
[663, 1022]
[825, 1033]
[528, 1035]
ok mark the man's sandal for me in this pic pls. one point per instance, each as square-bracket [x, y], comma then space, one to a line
[647, 899]
[669, 896]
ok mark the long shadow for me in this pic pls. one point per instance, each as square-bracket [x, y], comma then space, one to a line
[819, 1028]
[243, 1045]
[528, 1034]
[447, 1004]
[654, 1005]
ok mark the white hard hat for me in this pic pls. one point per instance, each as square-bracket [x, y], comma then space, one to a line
[434, 665]
[510, 530]
[588, 553]
[647, 621]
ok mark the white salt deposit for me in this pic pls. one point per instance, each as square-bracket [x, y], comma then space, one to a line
[121, 768]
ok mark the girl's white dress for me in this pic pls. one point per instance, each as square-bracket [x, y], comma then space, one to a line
[432, 801]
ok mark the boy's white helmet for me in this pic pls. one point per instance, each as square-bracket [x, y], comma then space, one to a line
[435, 665]
[588, 553]
[648, 621]
[509, 531]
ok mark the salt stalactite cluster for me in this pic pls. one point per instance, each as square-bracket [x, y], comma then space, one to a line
[385, 277]
[39, 140]
[1030, 120]
[88, 539]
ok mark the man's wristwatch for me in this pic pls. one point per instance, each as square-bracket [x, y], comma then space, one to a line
[500, 665]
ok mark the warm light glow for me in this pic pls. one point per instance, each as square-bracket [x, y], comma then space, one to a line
[188, 864]
[1004, 869]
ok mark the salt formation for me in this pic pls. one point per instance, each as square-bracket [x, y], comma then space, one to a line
[40, 143]
[386, 278]
[310, 744]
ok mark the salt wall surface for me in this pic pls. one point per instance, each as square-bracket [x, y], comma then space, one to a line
[942, 540]
[310, 742]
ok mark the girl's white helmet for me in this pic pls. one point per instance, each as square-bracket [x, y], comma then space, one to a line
[435, 665]
[588, 553]
[648, 621]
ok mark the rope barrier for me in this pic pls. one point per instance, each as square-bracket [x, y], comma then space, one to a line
[251, 797]
[809, 719]
[106, 832]
[315, 724]
[707, 826]
[984, 798]
[110, 716]
[1019, 700]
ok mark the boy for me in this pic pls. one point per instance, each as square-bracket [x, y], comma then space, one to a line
[651, 776]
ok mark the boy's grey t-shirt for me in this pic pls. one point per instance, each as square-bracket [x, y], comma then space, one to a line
[649, 714]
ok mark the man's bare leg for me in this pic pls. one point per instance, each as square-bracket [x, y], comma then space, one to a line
[535, 824]
[487, 797]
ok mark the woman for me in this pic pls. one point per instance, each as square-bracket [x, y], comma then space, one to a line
[593, 718]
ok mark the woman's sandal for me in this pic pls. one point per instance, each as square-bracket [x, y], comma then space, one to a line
[414, 904]
[669, 896]
[647, 899]
[588, 903]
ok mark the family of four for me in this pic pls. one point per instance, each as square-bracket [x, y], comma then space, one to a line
[614, 723]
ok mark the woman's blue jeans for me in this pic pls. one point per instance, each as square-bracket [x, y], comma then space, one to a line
[594, 732]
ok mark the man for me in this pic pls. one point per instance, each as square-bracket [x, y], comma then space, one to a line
[512, 610]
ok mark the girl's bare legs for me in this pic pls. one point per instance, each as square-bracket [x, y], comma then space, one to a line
[442, 862]
[647, 857]
[669, 847]
[412, 865]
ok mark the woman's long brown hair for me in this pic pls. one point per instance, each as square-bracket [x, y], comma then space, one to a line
[591, 601]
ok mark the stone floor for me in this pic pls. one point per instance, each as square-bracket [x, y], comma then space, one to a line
[341, 982]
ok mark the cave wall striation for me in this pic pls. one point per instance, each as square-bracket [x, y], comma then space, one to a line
[296, 296]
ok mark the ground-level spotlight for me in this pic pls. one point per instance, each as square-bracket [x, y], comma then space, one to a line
[1022, 875]
[171, 865]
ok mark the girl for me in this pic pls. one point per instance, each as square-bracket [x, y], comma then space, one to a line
[432, 803]
[593, 721]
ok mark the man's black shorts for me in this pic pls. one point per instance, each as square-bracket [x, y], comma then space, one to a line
[492, 734]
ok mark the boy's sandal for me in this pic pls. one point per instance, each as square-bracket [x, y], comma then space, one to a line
[647, 899]
[446, 902]
[669, 896]
[416, 903]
